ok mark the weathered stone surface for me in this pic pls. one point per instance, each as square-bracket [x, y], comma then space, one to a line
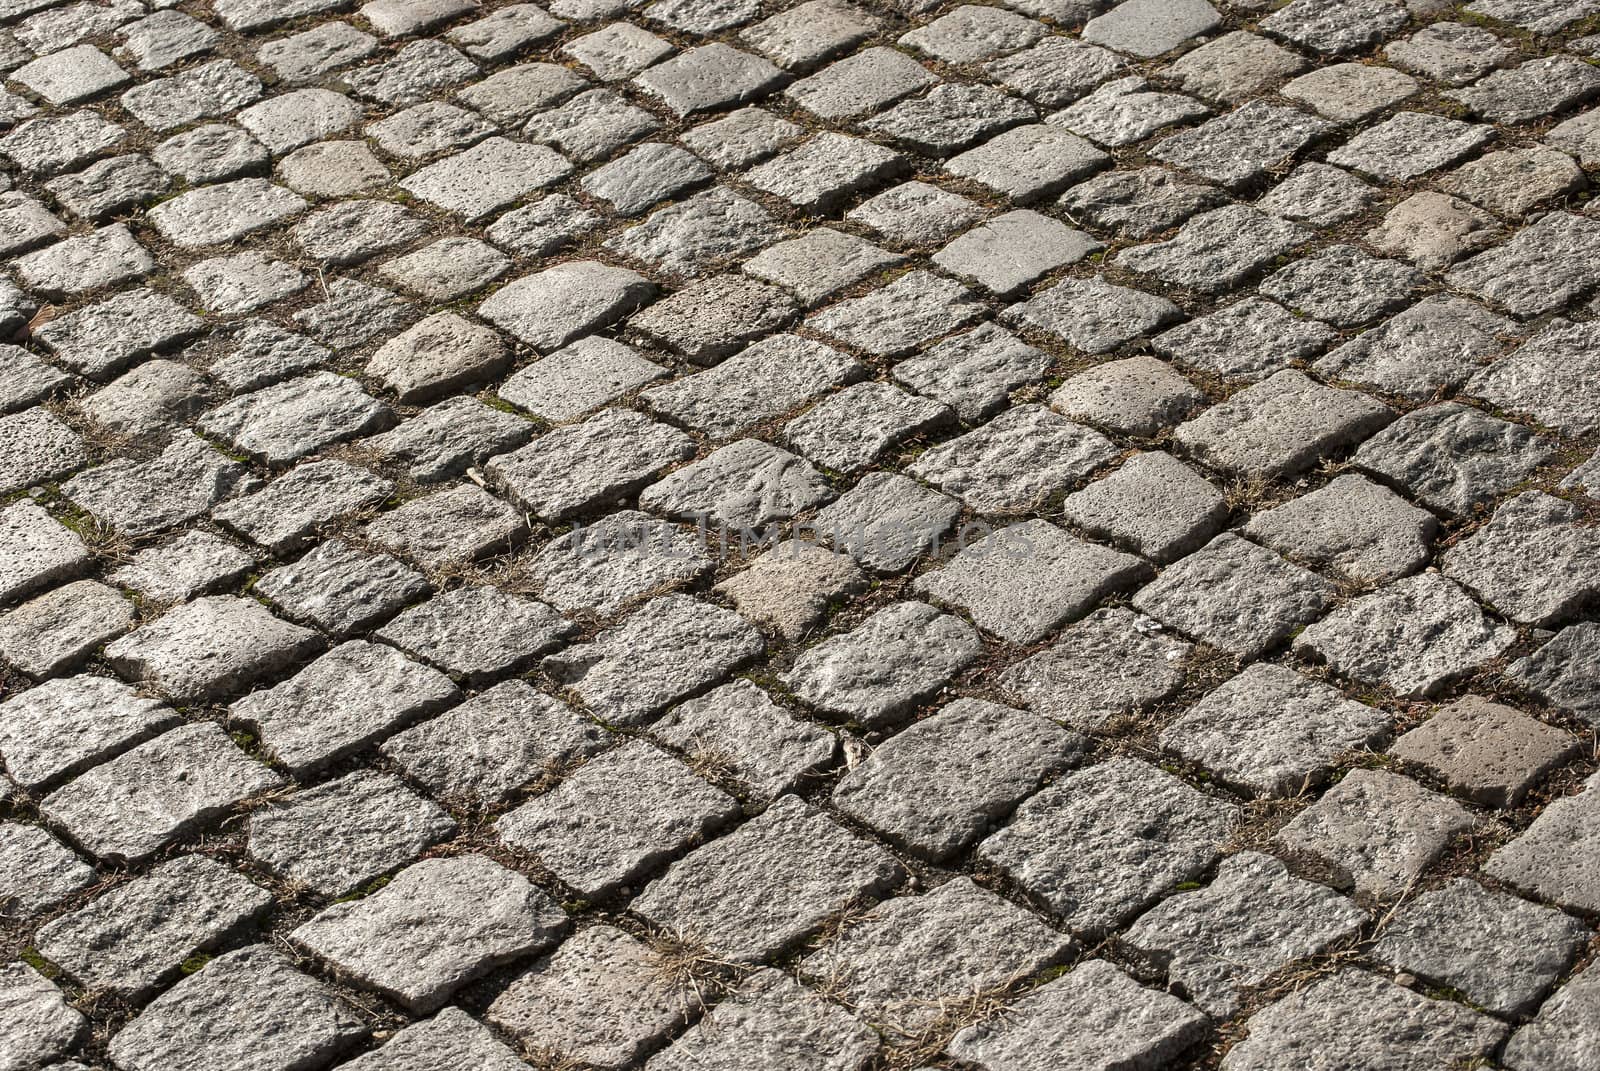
[38, 1023]
[67, 725]
[138, 934]
[39, 873]
[1438, 343]
[450, 528]
[1250, 339]
[1352, 527]
[1016, 461]
[747, 484]
[438, 925]
[551, 308]
[1541, 269]
[1216, 250]
[284, 514]
[917, 307]
[1489, 753]
[342, 589]
[210, 647]
[739, 729]
[1563, 671]
[1536, 560]
[774, 880]
[1563, 1032]
[1548, 861]
[132, 806]
[1252, 920]
[450, 1039]
[249, 1010]
[1151, 831]
[289, 420]
[1095, 316]
[376, 821]
[577, 469]
[476, 632]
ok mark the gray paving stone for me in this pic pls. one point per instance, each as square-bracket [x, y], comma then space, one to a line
[428, 129]
[648, 174]
[592, 125]
[489, 176]
[579, 378]
[1352, 527]
[1149, 28]
[1363, 1021]
[1343, 286]
[1375, 832]
[776, 879]
[1439, 342]
[51, 144]
[746, 485]
[1253, 920]
[1022, 582]
[860, 84]
[1453, 457]
[1530, 90]
[972, 34]
[852, 428]
[818, 175]
[1547, 378]
[55, 632]
[1153, 505]
[39, 1025]
[602, 999]
[739, 729]
[417, 71]
[1547, 861]
[211, 152]
[712, 318]
[1335, 28]
[1241, 147]
[355, 313]
[308, 55]
[578, 468]
[1138, 204]
[36, 550]
[1449, 52]
[1415, 635]
[286, 513]
[1409, 145]
[1235, 595]
[916, 213]
[341, 589]
[289, 420]
[819, 264]
[899, 657]
[618, 51]
[974, 373]
[25, 223]
[376, 822]
[26, 379]
[1135, 396]
[505, 32]
[1096, 671]
[437, 356]
[498, 741]
[1056, 71]
[945, 781]
[101, 339]
[450, 1039]
[1029, 162]
[244, 282]
[604, 567]
[1216, 250]
[553, 307]
[741, 138]
[37, 448]
[204, 92]
[352, 232]
[100, 190]
[887, 521]
[131, 807]
[138, 935]
[663, 653]
[353, 696]
[40, 872]
[1011, 251]
[792, 587]
[707, 78]
[1350, 92]
[1017, 461]
[437, 926]
[764, 380]
[1433, 230]
[1273, 732]
[209, 647]
[250, 1010]
[476, 632]
[771, 1017]
[901, 964]
[695, 236]
[1513, 181]
[810, 32]
[617, 817]
[448, 269]
[1320, 195]
[1537, 561]
[1502, 953]
[1151, 832]
[1562, 672]
[215, 215]
[67, 725]
[949, 118]
[1561, 1035]
[915, 308]
[1234, 67]
[1094, 1017]
[1249, 339]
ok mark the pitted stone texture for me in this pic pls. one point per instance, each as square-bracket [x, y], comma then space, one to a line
[438, 925]
[1449, 52]
[578, 378]
[748, 484]
[1234, 67]
[582, 467]
[940, 784]
[1565, 672]
[1343, 286]
[555, 306]
[1127, 110]
[739, 729]
[1108, 666]
[1273, 732]
[438, 356]
[36, 550]
[1022, 582]
[915, 308]
[55, 632]
[819, 264]
[210, 647]
[1138, 204]
[37, 1025]
[1356, 1019]
[974, 373]
[289, 420]
[707, 78]
[1416, 635]
[744, 137]
[1438, 343]
[216, 215]
[1563, 1032]
[1453, 457]
[132, 806]
[1029, 162]
[342, 589]
[1281, 426]
[448, 269]
[1549, 861]
[1095, 316]
[1135, 396]
[899, 657]
[791, 587]
[1375, 832]
[1319, 195]
[352, 696]
[601, 1000]
[774, 880]
[696, 236]
[620, 50]
[646, 175]
[450, 1039]
[1235, 595]
[1093, 1018]
[604, 567]
[137, 935]
[1016, 462]
[65, 726]
[1513, 181]
[1500, 952]
[1248, 340]
[249, 1010]
[887, 521]
[1550, 378]
[1057, 70]
[915, 213]
[617, 817]
[283, 515]
[1251, 921]
[900, 965]
[847, 431]
[39, 873]
[99, 339]
[860, 84]
[489, 176]
[710, 319]
[490, 746]
[664, 652]
[377, 823]
[1352, 527]
[1150, 831]
[768, 1020]
[1409, 145]
[1242, 146]
[1537, 560]
[764, 380]
[1217, 250]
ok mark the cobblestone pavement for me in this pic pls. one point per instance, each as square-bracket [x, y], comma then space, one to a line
[709, 534]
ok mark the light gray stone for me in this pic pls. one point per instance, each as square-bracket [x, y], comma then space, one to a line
[582, 467]
[1548, 861]
[739, 729]
[65, 726]
[55, 632]
[40, 872]
[476, 632]
[1016, 462]
[36, 550]
[748, 484]
[1352, 527]
[1562, 1034]
[551, 308]
[210, 647]
[37, 1025]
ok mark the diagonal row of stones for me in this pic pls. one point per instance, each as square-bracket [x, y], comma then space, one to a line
[730, 534]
